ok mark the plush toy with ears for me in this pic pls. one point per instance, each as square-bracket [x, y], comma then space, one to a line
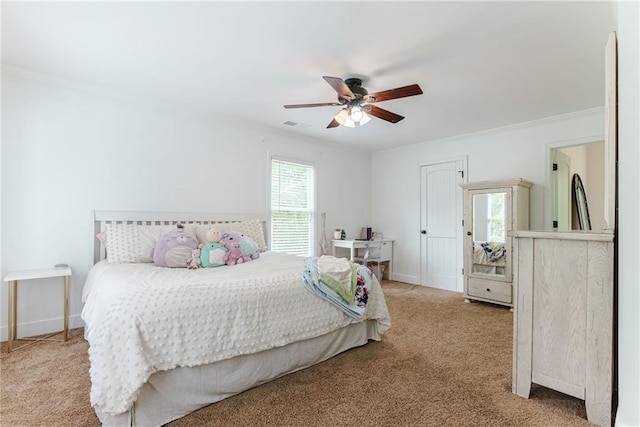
[195, 259]
[175, 248]
[212, 251]
[212, 254]
[248, 247]
[234, 254]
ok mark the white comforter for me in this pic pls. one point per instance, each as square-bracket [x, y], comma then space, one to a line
[141, 319]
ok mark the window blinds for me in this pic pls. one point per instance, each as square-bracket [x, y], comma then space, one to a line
[292, 210]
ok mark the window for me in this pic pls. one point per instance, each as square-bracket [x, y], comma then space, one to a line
[496, 222]
[292, 207]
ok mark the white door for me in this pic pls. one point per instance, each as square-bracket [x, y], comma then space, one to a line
[441, 225]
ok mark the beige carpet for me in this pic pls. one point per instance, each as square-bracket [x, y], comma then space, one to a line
[443, 363]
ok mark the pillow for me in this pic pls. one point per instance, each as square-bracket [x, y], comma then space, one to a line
[128, 243]
[253, 229]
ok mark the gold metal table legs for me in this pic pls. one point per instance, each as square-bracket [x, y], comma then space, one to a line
[13, 302]
[12, 332]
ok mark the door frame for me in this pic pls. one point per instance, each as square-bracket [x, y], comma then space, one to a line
[459, 214]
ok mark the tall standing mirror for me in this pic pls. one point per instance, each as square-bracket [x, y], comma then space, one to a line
[580, 202]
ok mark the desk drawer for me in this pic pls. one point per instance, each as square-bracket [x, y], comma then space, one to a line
[489, 289]
[386, 252]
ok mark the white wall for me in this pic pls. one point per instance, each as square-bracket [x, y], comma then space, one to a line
[519, 151]
[595, 185]
[628, 214]
[68, 149]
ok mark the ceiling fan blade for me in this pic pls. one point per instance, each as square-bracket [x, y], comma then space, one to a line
[340, 86]
[333, 124]
[322, 104]
[400, 92]
[383, 114]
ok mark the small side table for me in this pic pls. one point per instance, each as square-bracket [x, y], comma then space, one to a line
[45, 273]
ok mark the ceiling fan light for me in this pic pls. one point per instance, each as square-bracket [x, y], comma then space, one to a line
[356, 114]
[364, 120]
[344, 119]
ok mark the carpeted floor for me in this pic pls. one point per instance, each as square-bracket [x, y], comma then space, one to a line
[443, 363]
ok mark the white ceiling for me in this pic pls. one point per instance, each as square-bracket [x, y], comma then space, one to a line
[481, 65]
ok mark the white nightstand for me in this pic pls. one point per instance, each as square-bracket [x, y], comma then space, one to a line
[13, 277]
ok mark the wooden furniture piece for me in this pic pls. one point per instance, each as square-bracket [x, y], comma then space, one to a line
[386, 252]
[13, 277]
[563, 321]
[491, 209]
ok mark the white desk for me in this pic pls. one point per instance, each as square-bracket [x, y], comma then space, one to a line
[354, 245]
[13, 277]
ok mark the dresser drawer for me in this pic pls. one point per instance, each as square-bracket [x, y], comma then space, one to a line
[489, 289]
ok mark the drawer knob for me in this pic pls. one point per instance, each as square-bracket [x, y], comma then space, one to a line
[488, 290]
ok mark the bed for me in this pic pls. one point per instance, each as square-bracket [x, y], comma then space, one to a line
[489, 257]
[164, 342]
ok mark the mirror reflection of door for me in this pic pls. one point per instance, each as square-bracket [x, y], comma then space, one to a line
[561, 190]
[588, 161]
[489, 233]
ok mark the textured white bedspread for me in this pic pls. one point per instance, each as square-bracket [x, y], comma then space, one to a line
[141, 319]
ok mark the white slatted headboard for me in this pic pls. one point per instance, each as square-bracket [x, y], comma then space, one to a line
[100, 220]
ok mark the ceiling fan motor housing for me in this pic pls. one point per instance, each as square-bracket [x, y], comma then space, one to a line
[355, 85]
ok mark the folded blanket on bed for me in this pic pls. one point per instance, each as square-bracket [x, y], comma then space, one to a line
[339, 274]
[357, 307]
[489, 253]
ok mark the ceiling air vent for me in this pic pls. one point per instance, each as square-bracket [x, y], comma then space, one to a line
[295, 124]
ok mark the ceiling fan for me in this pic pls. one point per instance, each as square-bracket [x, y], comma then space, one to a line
[357, 102]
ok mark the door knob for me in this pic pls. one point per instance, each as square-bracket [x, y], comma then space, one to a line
[423, 231]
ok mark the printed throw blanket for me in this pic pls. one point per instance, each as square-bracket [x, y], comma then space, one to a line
[316, 286]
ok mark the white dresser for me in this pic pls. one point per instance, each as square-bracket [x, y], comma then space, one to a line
[563, 316]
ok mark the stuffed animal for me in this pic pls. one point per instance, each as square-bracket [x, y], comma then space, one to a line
[212, 254]
[175, 248]
[234, 254]
[212, 251]
[248, 247]
[208, 233]
[195, 259]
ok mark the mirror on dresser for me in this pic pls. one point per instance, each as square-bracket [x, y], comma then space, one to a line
[491, 209]
[489, 233]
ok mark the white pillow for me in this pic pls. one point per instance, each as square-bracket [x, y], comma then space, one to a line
[252, 228]
[128, 243]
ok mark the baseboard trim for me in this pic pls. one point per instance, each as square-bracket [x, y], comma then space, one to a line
[412, 280]
[41, 327]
